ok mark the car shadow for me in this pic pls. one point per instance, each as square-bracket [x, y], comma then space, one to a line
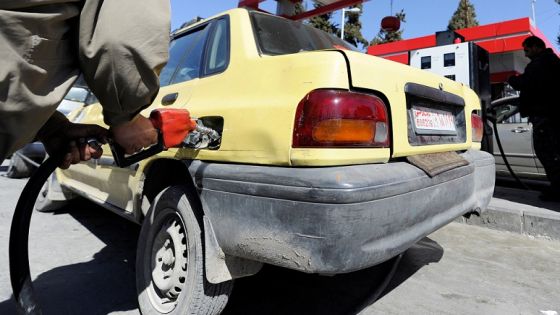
[102, 285]
[106, 283]
[512, 191]
[277, 290]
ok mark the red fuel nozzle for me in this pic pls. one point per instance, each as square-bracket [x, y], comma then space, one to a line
[173, 124]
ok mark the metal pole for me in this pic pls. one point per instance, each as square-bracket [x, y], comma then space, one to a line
[342, 25]
[533, 9]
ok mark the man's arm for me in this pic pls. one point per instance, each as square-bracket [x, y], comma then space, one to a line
[531, 77]
[516, 82]
[123, 47]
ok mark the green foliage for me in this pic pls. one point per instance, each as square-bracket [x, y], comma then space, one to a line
[323, 22]
[353, 28]
[558, 38]
[299, 7]
[391, 36]
[463, 17]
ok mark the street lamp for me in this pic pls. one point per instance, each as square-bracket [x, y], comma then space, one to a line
[353, 10]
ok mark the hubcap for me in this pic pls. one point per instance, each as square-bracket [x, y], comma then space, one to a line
[168, 261]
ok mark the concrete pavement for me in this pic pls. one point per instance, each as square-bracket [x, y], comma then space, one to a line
[465, 270]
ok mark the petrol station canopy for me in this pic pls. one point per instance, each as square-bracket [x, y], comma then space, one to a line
[503, 41]
[285, 7]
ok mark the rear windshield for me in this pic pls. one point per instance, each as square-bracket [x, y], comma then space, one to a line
[280, 36]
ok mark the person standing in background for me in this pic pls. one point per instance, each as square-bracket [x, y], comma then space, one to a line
[540, 101]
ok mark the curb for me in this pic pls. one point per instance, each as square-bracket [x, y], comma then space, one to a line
[521, 218]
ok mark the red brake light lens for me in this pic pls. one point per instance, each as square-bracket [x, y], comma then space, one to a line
[337, 118]
[477, 127]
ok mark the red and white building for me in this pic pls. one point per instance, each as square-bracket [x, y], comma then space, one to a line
[502, 41]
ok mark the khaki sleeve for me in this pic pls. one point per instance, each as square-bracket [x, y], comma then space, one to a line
[38, 65]
[123, 45]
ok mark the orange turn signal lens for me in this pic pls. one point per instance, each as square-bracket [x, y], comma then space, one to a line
[344, 130]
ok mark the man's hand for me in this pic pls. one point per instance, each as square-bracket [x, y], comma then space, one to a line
[70, 138]
[134, 135]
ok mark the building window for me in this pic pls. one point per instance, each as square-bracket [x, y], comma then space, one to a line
[449, 60]
[426, 62]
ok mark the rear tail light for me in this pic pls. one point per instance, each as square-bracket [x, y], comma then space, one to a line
[477, 127]
[336, 118]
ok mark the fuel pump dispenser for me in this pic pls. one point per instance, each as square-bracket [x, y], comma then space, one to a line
[468, 63]
[175, 128]
[461, 61]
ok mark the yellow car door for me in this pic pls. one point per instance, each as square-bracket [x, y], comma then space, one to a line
[101, 179]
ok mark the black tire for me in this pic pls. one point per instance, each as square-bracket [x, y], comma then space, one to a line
[19, 168]
[168, 283]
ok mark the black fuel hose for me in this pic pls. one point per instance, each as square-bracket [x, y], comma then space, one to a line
[504, 156]
[26, 302]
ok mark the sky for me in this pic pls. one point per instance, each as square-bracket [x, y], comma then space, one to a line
[423, 17]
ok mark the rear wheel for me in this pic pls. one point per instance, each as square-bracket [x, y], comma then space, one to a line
[169, 261]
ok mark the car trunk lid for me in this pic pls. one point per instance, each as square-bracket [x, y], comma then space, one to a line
[429, 113]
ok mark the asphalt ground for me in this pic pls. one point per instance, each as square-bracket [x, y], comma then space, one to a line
[82, 262]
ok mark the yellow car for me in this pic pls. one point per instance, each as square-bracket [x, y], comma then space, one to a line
[330, 161]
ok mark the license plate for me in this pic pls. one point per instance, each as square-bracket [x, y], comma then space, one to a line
[433, 121]
[436, 163]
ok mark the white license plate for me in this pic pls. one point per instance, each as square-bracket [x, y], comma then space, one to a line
[431, 120]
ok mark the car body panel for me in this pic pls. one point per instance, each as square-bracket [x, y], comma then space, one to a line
[335, 219]
[253, 141]
[109, 186]
[517, 142]
[392, 85]
[34, 151]
[516, 136]
[260, 193]
[264, 112]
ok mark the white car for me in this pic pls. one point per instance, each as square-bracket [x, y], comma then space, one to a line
[516, 135]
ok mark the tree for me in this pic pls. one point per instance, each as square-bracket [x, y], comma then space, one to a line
[353, 28]
[463, 17]
[323, 22]
[390, 36]
[299, 8]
